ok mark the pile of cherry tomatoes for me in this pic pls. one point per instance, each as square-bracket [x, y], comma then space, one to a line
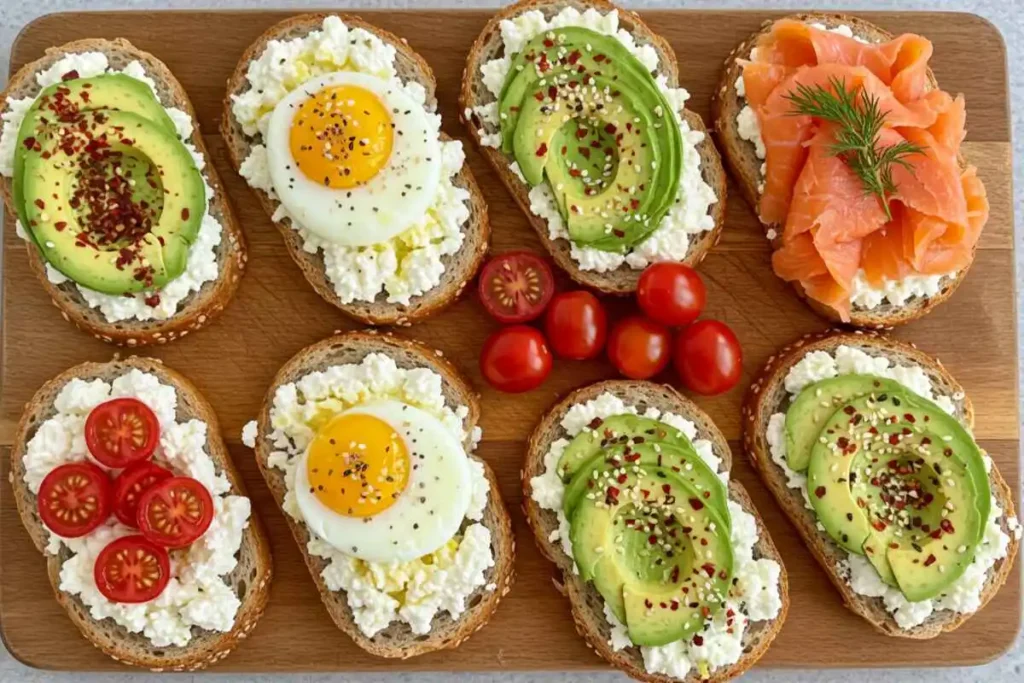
[518, 287]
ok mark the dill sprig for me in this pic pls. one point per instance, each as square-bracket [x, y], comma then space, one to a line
[860, 121]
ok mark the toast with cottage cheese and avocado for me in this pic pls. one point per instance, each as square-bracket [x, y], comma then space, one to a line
[669, 570]
[105, 171]
[866, 443]
[577, 105]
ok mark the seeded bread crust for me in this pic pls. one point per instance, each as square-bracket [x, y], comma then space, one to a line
[587, 604]
[250, 579]
[397, 640]
[767, 396]
[746, 169]
[460, 267]
[198, 308]
[489, 45]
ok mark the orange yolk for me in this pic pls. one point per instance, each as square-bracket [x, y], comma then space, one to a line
[342, 136]
[357, 465]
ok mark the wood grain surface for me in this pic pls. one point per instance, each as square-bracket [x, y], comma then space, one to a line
[276, 313]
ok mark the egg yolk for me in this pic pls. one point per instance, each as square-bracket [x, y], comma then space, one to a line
[357, 465]
[341, 136]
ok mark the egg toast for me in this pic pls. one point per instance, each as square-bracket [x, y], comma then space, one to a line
[249, 580]
[458, 267]
[393, 638]
[199, 307]
[769, 395]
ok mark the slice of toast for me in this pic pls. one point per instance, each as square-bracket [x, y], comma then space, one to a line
[198, 308]
[489, 45]
[587, 604]
[250, 579]
[767, 396]
[397, 640]
[745, 167]
[460, 267]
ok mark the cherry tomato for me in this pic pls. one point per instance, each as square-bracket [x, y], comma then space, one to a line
[671, 293]
[639, 347]
[175, 512]
[576, 324]
[516, 286]
[74, 499]
[132, 569]
[708, 357]
[129, 486]
[121, 431]
[515, 359]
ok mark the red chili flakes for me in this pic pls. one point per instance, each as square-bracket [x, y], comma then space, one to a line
[652, 539]
[894, 439]
[909, 418]
[548, 42]
[152, 300]
[29, 142]
[542, 149]
[698, 640]
[929, 561]
[820, 492]
[674, 576]
[610, 129]
[552, 93]
[60, 225]
[599, 58]
[574, 56]
[709, 569]
[69, 76]
[696, 504]
[539, 96]
[947, 526]
[706, 495]
[849, 410]
[879, 525]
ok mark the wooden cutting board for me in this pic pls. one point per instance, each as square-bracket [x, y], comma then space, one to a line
[276, 313]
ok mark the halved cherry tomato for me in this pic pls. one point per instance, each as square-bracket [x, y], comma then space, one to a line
[708, 357]
[121, 431]
[516, 287]
[671, 293]
[129, 486]
[132, 569]
[515, 359]
[576, 325]
[639, 347]
[74, 499]
[175, 512]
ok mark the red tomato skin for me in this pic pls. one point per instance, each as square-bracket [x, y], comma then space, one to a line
[708, 357]
[163, 563]
[94, 424]
[158, 494]
[576, 325]
[98, 480]
[126, 512]
[525, 311]
[515, 359]
[671, 293]
[639, 348]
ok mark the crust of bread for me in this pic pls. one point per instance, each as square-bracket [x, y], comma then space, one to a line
[250, 579]
[198, 308]
[586, 603]
[489, 45]
[397, 640]
[459, 267]
[767, 395]
[746, 169]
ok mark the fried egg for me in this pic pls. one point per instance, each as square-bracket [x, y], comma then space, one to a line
[384, 482]
[353, 158]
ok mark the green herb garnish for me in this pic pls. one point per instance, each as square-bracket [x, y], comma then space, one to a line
[860, 121]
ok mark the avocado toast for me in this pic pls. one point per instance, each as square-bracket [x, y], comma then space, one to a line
[662, 555]
[866, 444]
[578, 108]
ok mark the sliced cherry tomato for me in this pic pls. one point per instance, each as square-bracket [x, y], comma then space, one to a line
[129, 486]
[516, 287]
[708, 357]
[515, 359]
[121, 431]
[132, 569]
[639, 347]
[671, 293]
[576, 325]
[175, 512]
[74, 499]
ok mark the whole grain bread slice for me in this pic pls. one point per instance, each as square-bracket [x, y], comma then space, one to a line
[397, 640]
[767, 396]
[250, 579]
[489, 45]
[745, 166]
[587, 604]
[198, 308]
[459, 268]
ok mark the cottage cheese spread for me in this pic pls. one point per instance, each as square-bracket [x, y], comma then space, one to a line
[689, 216]
[197, 595]
[964, 594]
[201, 266]
[380, 593]
[405, 266]
[755, 595]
